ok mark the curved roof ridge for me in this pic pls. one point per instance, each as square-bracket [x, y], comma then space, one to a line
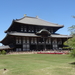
[50, 22]
[24, 17]
[36, 21]
[19, 19]
[35, 18]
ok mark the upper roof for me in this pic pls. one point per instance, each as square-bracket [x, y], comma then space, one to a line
[36, 21]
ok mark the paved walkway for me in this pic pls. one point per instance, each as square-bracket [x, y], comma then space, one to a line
[37, 52]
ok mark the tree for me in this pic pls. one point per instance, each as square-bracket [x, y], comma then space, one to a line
[0, 52]
[3, 52]
[72, 29]
[71, 42]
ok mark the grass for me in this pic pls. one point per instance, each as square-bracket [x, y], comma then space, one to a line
[36, 64]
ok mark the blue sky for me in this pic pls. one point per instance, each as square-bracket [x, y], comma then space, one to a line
[55, 11]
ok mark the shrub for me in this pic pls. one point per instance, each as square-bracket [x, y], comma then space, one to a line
[0, 52]
[73, 53]
[3, 52]
[67, 48]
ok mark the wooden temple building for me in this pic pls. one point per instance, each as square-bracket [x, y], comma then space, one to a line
[32, 33]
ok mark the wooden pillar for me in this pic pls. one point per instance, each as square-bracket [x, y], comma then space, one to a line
[44, 43]
[37, 44]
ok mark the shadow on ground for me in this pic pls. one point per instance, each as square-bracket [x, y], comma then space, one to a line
[73, 63]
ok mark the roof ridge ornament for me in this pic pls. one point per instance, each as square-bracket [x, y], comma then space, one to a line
[37, 17]
[25, 15]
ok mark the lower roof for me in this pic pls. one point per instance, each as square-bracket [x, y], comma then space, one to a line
[8, 38]
[34, 35]
[5, 47]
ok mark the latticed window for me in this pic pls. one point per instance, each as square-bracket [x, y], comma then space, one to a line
[18, 40]
[18, 49]
[21, 28]
[23, 39]
[54, 41]
[28, 46]
[33, 40]
[27, 40]
[32, 29]
[24, 47]
[55, 46]
[25, 29]
[29, 29]
[51, 30]
[36, 30]
[60, 41]
[49, 41]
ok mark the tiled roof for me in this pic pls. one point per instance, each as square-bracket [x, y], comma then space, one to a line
[34, 35]
[5, 47]
[36, 21]
[60, 36]
[22, 34]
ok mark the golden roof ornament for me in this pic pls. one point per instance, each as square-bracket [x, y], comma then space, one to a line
[24, 15]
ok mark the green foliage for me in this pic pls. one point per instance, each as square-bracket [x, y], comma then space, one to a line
[72, 29]
[3, 52]
[71, 43]
[0, 52]
[73, 53]
[66, 48]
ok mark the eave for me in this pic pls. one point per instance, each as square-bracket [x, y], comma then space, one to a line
[36, 21]
[34, 35]
[7, 39]
[6, 47]
[10, 26]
